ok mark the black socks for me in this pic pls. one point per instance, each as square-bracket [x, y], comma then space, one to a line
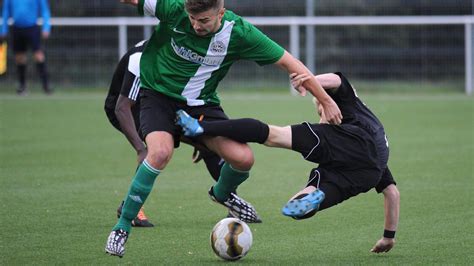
[242, 130]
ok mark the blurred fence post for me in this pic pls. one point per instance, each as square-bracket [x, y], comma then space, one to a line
[294, 46]
[122, 48]
[469, 60]
[147, 31]
[310, 38]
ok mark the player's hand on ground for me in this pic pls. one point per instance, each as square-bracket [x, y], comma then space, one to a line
[141, 155]
[332, 112]
[297, 82]
[131, 2]
[383, 245]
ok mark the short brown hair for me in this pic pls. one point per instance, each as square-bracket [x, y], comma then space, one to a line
[199, 6]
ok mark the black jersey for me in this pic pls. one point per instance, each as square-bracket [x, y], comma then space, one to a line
[353, 110]
[356, 113]
[126, 82]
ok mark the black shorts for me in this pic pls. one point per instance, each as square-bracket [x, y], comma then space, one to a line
[340, 185]
[340, 147]
[26, 37]
[158, 113]
[381, 144]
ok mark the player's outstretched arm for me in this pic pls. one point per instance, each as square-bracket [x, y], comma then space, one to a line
[392, 211]
[328, 81]
[293, 65]
[131, 2]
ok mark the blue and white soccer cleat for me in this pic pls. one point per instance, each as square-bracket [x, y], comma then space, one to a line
[299, 207]
[190, 125]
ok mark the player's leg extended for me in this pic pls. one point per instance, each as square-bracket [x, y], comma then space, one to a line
[242, 130]
[141, 220]
[160, 149]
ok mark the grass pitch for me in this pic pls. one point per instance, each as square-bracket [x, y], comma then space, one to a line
[64, 170]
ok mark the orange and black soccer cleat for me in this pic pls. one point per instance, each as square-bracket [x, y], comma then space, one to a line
[140, 221]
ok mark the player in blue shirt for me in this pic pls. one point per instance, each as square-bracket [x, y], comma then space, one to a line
[26, 33]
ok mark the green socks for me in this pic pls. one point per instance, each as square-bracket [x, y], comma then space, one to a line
[228, 182]
[139, 190]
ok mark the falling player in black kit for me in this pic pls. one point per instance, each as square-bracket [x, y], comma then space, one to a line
[122, 107]
[352, 157]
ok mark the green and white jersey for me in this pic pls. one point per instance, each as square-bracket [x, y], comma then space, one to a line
[188, 67]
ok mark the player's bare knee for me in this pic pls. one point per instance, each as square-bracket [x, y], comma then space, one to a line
[242, 159]
[246, 162]
[158, 158]
[39, 56]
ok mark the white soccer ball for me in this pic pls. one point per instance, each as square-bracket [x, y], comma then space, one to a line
[231, 239]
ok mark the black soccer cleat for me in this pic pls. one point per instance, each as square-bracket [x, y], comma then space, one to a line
[140, 221]
[238, 208]
[116, 243]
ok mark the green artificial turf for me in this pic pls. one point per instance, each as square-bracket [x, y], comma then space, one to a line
[64, 170]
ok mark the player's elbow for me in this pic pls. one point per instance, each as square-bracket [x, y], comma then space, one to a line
[289, 63]
[329, 81]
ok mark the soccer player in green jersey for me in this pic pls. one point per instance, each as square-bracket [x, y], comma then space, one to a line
[187, 56]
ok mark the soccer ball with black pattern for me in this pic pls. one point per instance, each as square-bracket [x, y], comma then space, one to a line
[231, 239]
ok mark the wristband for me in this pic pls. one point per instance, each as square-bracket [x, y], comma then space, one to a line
[388, 234]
